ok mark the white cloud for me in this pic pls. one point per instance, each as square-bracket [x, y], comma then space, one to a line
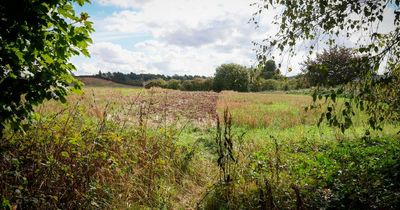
[123, 3]
[158, 57]
[183, 36]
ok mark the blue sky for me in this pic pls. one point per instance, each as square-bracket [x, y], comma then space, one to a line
[177, 37]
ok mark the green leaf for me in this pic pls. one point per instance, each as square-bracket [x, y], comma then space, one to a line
[47, 58]
[64, 154]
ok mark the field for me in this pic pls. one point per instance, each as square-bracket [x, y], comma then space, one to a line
[91, 81]
[132, 148]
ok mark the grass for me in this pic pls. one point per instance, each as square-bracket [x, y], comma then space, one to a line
[262, 110]
[91, 81]
[156, 148]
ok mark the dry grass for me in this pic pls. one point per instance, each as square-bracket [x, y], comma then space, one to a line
[91, 81]
[125, 105]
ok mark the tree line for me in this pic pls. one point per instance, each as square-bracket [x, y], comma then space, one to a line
[330, 68]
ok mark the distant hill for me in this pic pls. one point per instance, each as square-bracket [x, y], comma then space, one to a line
[94, 81]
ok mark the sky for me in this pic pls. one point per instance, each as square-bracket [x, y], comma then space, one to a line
[175, 37]
[169, 37]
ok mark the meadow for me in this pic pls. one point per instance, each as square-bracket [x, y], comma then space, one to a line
[131, 148]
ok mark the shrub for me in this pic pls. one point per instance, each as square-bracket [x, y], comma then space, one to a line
[173, 84]
[270, 84]
[155, 83]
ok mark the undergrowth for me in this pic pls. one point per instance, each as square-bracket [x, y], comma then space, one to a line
[95, 154]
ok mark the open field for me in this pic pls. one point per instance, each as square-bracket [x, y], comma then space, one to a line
[91, 81]
[157, 149]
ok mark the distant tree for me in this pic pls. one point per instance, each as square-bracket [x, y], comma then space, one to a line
[231, 77]
[333, 67]
[270, 84]
[173, 84]
[254, 79]
[155, 83]
[208, 84]
[268, 69]
[38, 38]
[187, 85]
[201, 84]
[299, 82]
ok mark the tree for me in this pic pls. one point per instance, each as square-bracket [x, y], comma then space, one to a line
[269, 69]
[310, 22]
[231, 77]
[155, 83]
[333, 67]
[38, 39]
[173, 84]
[254, 79]
[270, 84]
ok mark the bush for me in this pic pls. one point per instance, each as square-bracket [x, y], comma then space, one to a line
[270, 84]
[155, 83]
[198, 84]
[173, 84]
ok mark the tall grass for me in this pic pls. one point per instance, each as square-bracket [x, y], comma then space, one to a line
[156, 149]
[103, 150]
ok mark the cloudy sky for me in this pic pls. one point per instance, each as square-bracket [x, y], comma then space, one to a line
[174, 36]
[169, 37]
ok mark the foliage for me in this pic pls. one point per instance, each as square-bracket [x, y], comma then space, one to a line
[197, 84]
[231, 77]
[139, 79]
[255, 82]
[298, 82]
[337, 66]
[155, 83]
[324, 20]
[270, 84]
[38, 38]
[269, 69]
[173, 84]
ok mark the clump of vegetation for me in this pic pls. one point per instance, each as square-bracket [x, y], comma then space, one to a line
[334, 67]
[81, 157]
